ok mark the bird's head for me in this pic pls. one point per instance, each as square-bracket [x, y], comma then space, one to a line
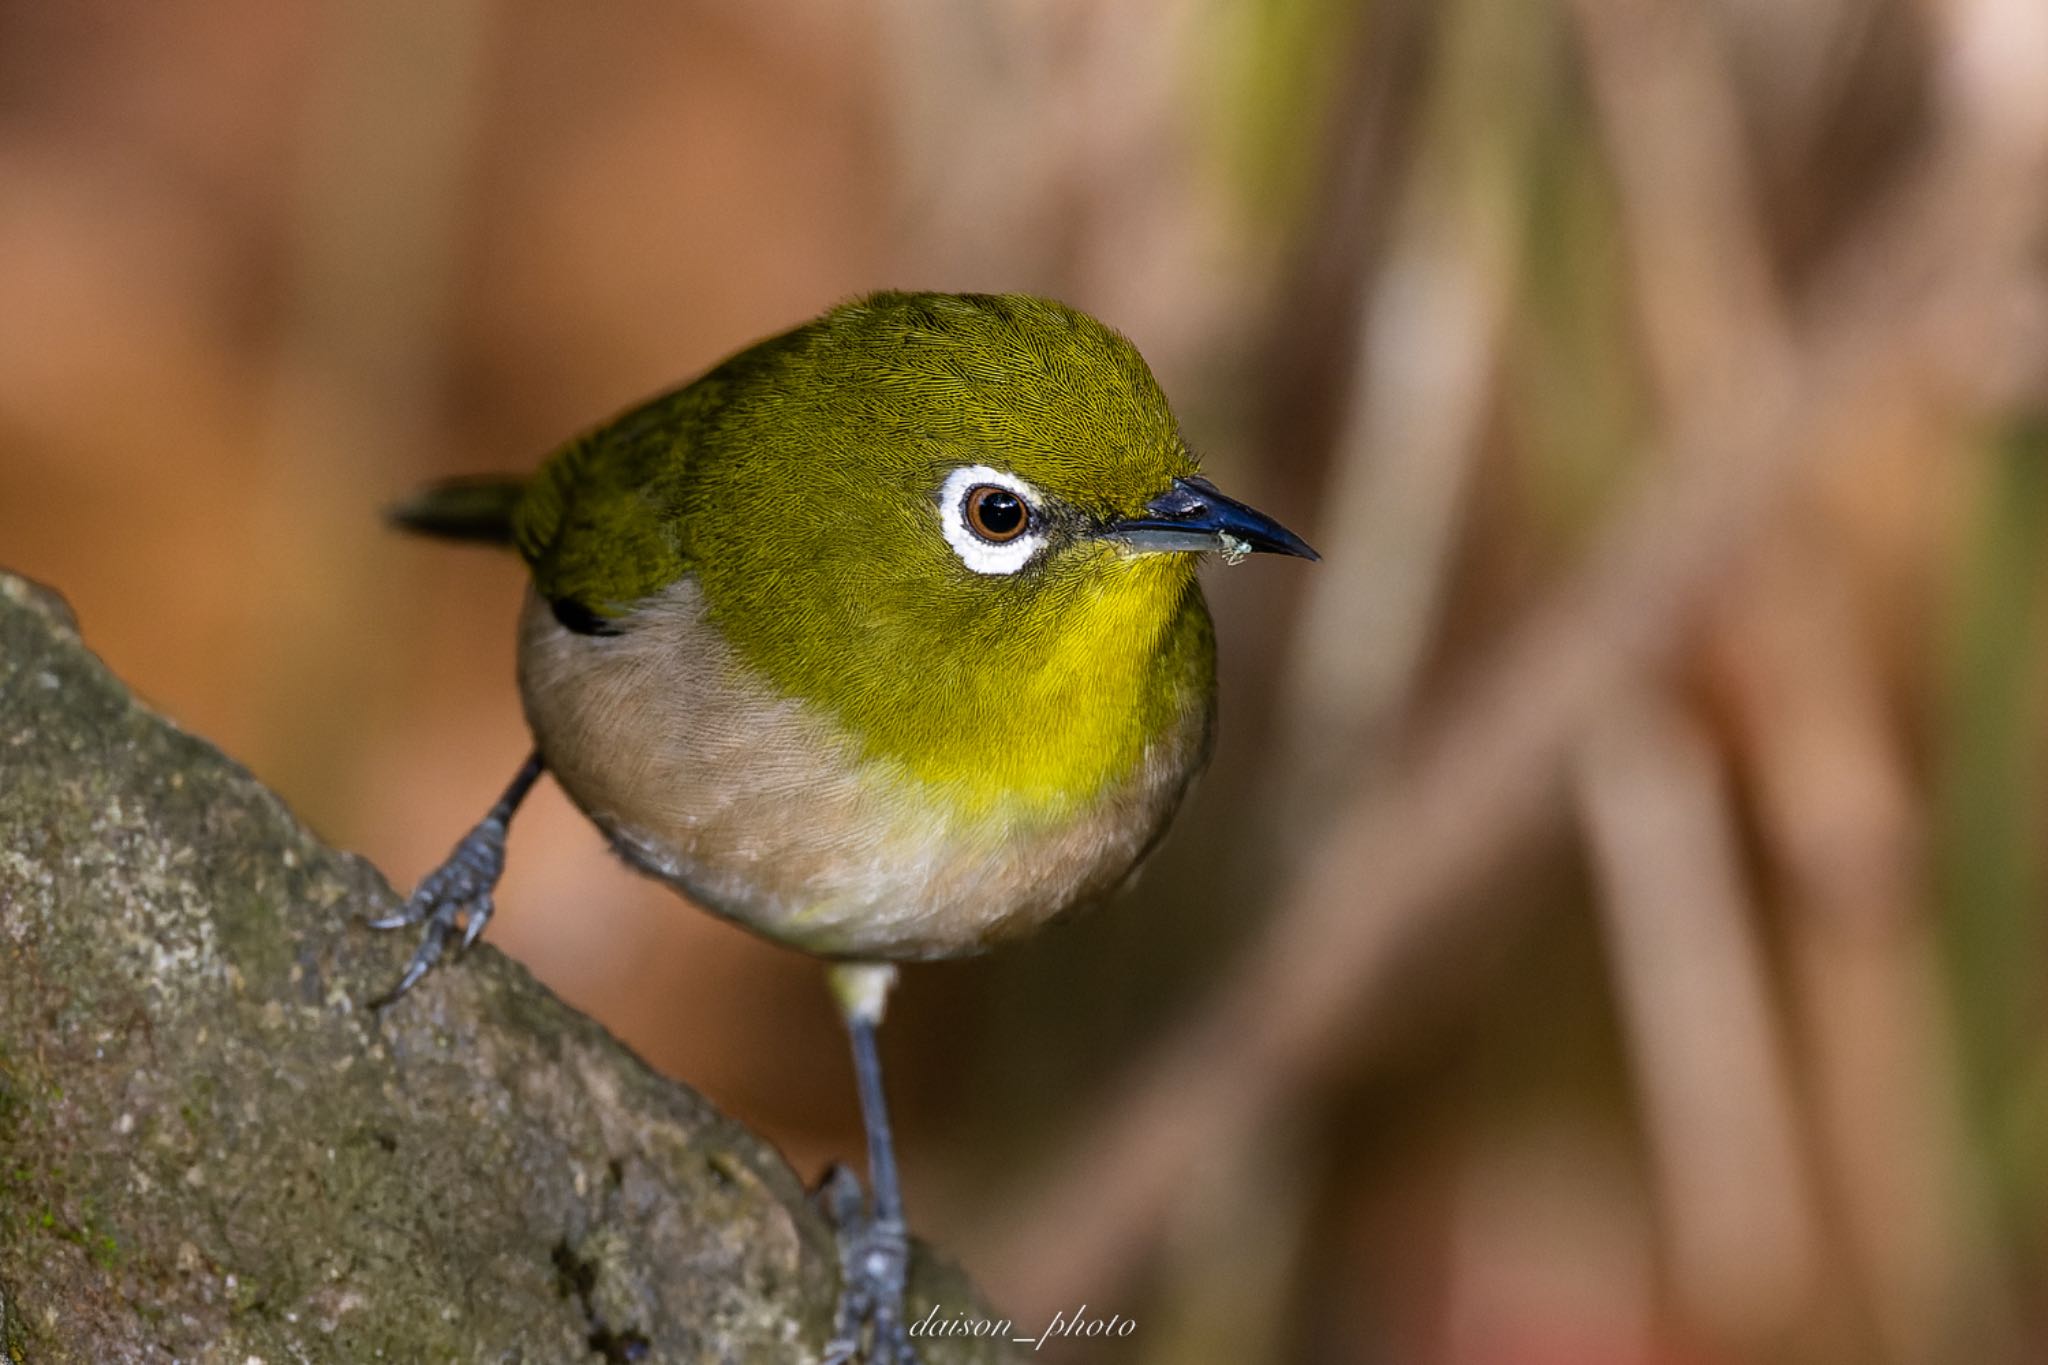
[939, 505]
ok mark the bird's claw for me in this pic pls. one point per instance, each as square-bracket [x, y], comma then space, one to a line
[874, 1272]
[458, 891]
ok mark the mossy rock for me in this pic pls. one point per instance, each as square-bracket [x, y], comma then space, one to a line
[210, 1150]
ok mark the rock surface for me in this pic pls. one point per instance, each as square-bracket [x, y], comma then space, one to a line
[211, 1151]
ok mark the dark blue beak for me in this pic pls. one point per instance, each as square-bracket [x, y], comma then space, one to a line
[1193, 516]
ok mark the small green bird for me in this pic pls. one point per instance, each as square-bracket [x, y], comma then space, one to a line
[882, 639]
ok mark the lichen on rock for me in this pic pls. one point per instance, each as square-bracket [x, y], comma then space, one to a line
[211, 1151]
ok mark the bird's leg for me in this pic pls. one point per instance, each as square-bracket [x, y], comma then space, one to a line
[874, 1243]
[459, 890]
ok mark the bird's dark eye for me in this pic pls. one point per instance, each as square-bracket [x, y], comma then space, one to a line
[996, 514]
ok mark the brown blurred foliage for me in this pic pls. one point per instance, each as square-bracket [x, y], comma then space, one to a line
[1612, 930]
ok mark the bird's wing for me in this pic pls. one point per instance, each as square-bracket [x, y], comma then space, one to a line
[598, 523]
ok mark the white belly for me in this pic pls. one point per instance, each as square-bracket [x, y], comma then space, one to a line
[760, 809]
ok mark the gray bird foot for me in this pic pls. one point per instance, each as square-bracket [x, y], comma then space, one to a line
[455, 894]
[874, 1272]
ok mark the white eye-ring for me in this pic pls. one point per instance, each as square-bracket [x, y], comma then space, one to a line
[991, 519]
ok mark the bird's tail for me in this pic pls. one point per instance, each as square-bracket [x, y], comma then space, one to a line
[477, 508]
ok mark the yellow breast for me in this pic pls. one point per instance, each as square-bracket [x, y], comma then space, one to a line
[757, 807]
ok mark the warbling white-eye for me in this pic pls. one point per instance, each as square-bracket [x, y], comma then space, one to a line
[882, 639]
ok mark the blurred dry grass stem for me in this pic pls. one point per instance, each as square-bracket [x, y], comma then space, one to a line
[1740, 1217]
[1837, 816]
[1425, 358]
[363, 356]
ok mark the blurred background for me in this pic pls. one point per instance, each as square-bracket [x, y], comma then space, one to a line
[1613, 927]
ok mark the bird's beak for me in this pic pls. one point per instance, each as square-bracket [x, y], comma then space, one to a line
[1192, 515]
